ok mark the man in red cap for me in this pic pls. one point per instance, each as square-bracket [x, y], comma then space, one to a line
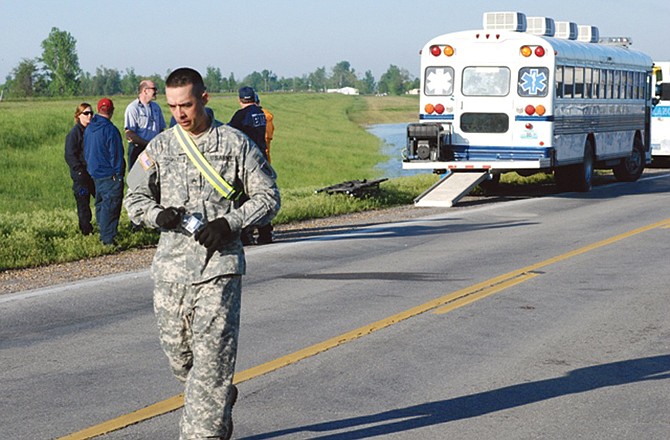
[103, 150]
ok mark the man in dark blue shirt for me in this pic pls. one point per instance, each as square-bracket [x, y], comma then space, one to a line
[103, 151]
[250, 120]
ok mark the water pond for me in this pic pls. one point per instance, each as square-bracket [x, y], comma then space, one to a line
[394, 137]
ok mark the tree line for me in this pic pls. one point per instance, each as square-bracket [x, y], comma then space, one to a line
[57, 74]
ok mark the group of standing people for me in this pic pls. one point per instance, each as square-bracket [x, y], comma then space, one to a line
[217, 177]
[94, 153]
[101, 163]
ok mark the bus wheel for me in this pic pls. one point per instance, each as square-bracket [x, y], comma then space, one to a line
[630, 169]
[584, 170]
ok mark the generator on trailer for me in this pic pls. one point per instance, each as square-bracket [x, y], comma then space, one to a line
[529, 94]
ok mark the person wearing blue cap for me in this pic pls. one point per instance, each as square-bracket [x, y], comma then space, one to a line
[251, 121]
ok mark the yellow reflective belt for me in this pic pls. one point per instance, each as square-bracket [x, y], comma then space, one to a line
[203, 165]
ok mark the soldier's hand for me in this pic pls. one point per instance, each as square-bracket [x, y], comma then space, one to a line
[170, 218]
[215, 234]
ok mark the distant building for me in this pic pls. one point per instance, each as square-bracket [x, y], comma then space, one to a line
[344, 91]
[413, 92]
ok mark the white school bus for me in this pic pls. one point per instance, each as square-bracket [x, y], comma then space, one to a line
[660, 115]
[531, 95]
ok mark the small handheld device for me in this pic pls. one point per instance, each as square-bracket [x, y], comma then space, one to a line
[191, 223]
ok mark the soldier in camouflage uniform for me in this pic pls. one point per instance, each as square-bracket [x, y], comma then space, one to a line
[198, 278]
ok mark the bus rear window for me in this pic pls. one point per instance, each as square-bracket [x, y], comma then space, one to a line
[486, 81]
[484, 122]
[533, 81]
[439, 81]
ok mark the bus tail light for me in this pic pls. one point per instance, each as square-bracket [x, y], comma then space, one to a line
[437, 108]
[527, 51]
[436, 50]
[531, 110]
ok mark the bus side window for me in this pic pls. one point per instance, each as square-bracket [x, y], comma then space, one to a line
[579, 82]
[588, 82]
[602, 94]
[559, 81]
[596, 83]
[569, 81]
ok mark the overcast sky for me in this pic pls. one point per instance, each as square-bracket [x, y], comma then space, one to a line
[289, 37]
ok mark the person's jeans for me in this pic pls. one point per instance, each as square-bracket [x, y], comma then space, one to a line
[108, 198]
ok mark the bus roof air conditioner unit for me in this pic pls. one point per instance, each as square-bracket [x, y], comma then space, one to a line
[566, 30]
[542, 26]
[505, 21]
[588, 34]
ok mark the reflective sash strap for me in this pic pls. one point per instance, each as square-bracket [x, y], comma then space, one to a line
[203, 165]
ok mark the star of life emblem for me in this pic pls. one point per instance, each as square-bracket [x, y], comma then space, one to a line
[439, 81]
[533, 82]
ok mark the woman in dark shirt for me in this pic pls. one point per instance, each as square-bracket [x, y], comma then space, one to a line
[83, 186]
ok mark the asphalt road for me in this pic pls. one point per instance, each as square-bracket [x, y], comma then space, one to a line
[544, 318]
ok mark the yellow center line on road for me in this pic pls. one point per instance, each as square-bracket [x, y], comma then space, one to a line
[443, 304]
[469, 295]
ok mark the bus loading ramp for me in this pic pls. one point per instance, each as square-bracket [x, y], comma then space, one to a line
[450, 189]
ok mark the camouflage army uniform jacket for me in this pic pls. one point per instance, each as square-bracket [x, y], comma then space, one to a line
[166, 177]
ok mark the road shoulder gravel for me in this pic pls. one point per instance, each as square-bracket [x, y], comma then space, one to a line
[21, 280]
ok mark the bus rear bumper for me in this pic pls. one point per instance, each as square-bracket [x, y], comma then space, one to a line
[496, 165]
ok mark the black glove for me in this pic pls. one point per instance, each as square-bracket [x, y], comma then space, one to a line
[170, 218]
[215, 234]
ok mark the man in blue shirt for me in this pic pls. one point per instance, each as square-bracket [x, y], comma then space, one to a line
[143, 120]
[103, 151]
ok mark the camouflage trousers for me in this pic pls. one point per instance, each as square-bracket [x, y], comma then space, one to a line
[199, 325]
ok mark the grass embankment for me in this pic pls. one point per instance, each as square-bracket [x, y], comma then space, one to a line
[320, 140]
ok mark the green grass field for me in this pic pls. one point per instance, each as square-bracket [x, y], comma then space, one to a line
[320, 140]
